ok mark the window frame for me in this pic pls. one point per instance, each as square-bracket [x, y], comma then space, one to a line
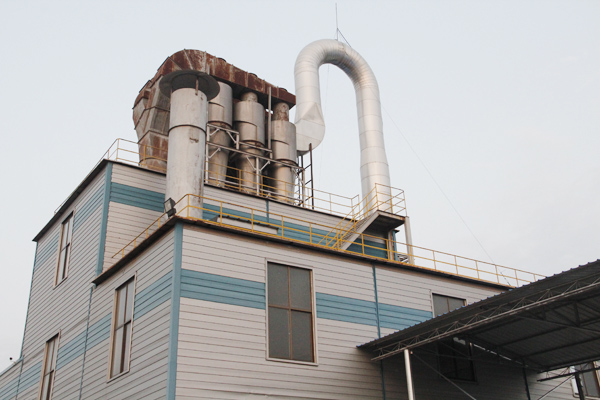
[451, 345]
[62, 268]
[56, 343]
[313, 320]
[594, 364]
[115, 327]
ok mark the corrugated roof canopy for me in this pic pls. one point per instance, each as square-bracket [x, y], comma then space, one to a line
[546, 325]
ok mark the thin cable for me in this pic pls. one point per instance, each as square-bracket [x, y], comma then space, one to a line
[440, 374]
[554, 388]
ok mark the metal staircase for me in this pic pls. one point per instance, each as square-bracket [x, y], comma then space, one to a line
[382, 210]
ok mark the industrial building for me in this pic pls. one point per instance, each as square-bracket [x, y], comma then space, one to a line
[199, 262]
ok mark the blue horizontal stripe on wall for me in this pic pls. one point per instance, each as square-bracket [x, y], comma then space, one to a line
[47, 251]
[28, 379]
[371, 248]
[137, 197]
[222, 289]
[346, 309]
[153, 296]
[97, 333]
[364, 312]
[290, 230]
[145, 301]
[83, 213]
[396, 317]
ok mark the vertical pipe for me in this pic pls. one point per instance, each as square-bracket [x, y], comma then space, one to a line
[220, 113]
[579, 386]
[312, 184]
[526, 384]
[409, 382]
[190, 92]
[269, 123]
[408, 234]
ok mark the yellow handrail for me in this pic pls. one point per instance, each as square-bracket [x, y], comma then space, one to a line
[133, 153]
[298, 230]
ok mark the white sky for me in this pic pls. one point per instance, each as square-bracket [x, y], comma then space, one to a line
[499, 99]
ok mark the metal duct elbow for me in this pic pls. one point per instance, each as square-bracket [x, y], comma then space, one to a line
[310, 125]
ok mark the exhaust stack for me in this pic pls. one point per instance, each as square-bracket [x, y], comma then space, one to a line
[220, 113]
[283, 144]
[190, 92]
[249, 121]
[310, 125]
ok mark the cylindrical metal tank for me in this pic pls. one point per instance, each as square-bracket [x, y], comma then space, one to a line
[189, 92]
[249, 121]
[283, 145]
[220, 113]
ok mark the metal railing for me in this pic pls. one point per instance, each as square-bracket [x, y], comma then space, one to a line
[240, 217]
[132, 153]
[381, 198]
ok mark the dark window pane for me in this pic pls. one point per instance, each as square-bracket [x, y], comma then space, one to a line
[279, 333]
[46, 387]
[446, 357]
[117, 352]
[440, 305]
[129, 306]
[49, 355]
[62, 262]
[590, 381]
[444, 304]
[302, 336]
[121, 306]
[126, 344]
[278, 285]
[454, 303]
[300, 288]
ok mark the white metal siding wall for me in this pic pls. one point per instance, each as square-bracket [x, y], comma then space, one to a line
[222, 347]
[413, 290]
[64, 307]
[9, 379]
[125, 221]
[147, 376]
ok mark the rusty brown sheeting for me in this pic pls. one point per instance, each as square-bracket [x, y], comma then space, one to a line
[219, 68]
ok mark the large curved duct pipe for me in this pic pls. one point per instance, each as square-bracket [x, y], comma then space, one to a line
[310, 126]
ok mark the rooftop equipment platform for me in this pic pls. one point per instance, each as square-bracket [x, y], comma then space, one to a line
[350, 212]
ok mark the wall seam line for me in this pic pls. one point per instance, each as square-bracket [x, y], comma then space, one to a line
[104, 222]
[175, 305]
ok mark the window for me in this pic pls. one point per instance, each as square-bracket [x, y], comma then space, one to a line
[589, 381]
[65, 249]
[290, 313]
[49, 368]
[121, 331]
[454, 355]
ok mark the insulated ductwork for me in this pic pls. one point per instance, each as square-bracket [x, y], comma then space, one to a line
[249, 121]
[283, 145]
[220, 113]
[310, 126]
[190, 92]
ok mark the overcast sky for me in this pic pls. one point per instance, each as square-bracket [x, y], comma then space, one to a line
[498, 100]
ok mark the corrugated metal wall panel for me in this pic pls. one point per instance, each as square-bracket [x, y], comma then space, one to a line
[62, 308]
[147, 376]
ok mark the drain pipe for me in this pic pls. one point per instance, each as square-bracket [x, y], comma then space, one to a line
[310, 125]
[190, 92]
